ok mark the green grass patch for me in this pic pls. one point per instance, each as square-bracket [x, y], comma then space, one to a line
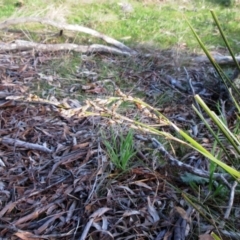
[120, 149]
[7, 8]
[154, 25]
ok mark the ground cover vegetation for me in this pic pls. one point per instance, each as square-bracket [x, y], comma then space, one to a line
[136, 141]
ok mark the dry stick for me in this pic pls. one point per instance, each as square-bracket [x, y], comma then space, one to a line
[174, 161]
[231, 199]
[26, 145]
[26, 45]
[76, 228]
[228, 210]
[218, 59]
[69, 27]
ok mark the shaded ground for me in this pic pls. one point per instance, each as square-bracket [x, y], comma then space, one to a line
[64, 186]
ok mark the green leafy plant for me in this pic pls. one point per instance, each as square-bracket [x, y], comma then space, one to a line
[120, 149]
[230, 136]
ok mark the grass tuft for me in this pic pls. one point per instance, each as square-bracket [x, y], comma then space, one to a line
[120, 149]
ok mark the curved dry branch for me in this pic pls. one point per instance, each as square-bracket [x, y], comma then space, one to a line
[64, 26]
[26, 45]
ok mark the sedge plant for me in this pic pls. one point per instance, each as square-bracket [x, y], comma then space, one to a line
[230, 136]
[120, 149]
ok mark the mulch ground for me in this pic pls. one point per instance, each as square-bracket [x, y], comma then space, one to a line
[56, 180]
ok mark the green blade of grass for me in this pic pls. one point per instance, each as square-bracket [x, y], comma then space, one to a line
[195, 145]
[236, 104]
[212, 132]
[192, 143]
[227, 133]
[212, 61]
[224, 38]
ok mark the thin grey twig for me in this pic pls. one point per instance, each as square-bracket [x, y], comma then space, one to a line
[226, 182]
[176, 162]
[75, 231]
[26, 145]
[231, 199]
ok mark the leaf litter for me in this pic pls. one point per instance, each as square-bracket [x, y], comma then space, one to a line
[56, 179]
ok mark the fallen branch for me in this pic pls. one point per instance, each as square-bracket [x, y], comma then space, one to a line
[219, 59]
[26, 45]
[69, 27]
[26, 145]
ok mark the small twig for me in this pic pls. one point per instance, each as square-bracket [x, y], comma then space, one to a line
[230, 204]
[26, 145]
[76, 228]
[223, 109]
[218, 59]
[174, 161]
[226, 182]
[231, 199]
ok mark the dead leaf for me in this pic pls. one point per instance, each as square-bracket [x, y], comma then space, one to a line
[182, 213]
[96, 90]
[142, 184]
[153, 212]
[205, 237]
[130, 212]
[88, 87]
[100, 212]
[23, 68]
[26, 236]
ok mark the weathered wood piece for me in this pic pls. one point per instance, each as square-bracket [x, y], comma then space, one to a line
[120, 48]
